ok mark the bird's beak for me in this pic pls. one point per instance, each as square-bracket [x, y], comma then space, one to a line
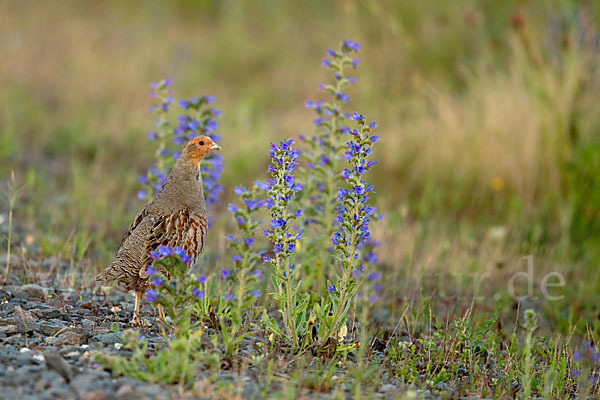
[215, 146]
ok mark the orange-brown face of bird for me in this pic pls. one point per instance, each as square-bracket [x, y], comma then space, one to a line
[198, 148]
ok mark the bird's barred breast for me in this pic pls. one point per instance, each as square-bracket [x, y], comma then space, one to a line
[186, 229]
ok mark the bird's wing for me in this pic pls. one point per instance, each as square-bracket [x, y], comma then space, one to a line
[128, 261]
[184, 228]
[138, 219]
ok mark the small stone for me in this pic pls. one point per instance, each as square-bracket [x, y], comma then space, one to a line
[5, 294]
[387, 388]
[73, 355]
[9, 329]
[52, 340]
[96, 345]
[18, 295]
[46, 312]
[97, 394]
[88, 324]
[34, 290]
[72, 338]
[125, 391]
[50, 328]
[68, 349]
[109, 338]
[24, 359]
[251, 390]
[148, 390]
[41, 385]
[23, 320]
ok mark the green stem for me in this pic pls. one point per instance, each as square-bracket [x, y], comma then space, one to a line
[342, 303]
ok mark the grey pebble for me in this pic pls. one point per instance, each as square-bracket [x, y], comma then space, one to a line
[34, 290]
[50, 327]
[72, 338]
[387, 388]
[109, 338]
[88, 324]
[46, 312]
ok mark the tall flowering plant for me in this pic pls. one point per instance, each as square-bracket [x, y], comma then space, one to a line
[198, 118]
[323, 158]
[242, 281]
[281, 188]
[353, 216]
[245, 276]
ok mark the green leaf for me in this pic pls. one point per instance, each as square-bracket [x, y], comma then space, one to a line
[317, 309]
[279, 297]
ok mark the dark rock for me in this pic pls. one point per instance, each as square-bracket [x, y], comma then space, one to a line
[51, 327]
[46, 312]
[9, 329]
[24, 359]
[24, 322]
[387, 388]
[22, 301]
[88, 324]
[125, 392]
[97, 394]
[53, 341]
[34, 303]
[34, 290]
[89, 381]
[72, 338]
[251, 390]
[150, 390]
[109, 338]
[5, 295]
[69, 349]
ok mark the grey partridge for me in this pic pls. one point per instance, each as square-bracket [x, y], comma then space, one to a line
[176, 217]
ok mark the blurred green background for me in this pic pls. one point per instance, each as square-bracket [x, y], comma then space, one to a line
[488, 110]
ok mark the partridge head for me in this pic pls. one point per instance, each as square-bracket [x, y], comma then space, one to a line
[198, 148]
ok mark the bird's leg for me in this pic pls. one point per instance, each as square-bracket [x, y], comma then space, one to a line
[161, 313]
[136, 321]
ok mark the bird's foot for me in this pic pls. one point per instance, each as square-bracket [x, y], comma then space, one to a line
[139, 322]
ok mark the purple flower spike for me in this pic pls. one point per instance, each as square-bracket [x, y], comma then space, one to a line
[151, 295]
[225, 273]
[199, 294]
[350, 45]
[150, 271]
[156, 281]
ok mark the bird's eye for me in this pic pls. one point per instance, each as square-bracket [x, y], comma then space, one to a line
[201, 143]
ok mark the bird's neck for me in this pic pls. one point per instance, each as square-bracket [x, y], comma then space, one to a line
[183, 187]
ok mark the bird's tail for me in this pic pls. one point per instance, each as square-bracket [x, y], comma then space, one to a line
[110, 273]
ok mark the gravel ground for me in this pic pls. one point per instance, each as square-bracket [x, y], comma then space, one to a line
[47, 337]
